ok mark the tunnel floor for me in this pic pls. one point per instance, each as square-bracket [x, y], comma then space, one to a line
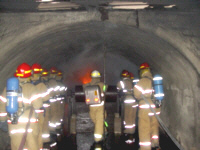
[69, 142]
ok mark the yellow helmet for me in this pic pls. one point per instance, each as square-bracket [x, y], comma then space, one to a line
[95, 74]
[143, 71]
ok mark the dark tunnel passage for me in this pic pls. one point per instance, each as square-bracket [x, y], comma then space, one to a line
[76, 42]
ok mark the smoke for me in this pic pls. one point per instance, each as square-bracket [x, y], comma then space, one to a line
[77, 70]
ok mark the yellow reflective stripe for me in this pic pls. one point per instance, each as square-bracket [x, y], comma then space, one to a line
[29, 71]
[21, 75]
[141, 67]
[36, 69]
[95, 74]
[44, 73]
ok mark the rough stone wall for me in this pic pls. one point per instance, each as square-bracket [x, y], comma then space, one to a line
[176, 55]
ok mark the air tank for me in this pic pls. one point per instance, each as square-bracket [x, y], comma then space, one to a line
[158, 87]
[12, 95]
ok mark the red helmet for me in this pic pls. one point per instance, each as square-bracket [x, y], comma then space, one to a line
[23, 71]
[45, 73]
[36, 68]
[59, 73]
[125, 73]
[131, 75]
[144, 65]
[53, 70]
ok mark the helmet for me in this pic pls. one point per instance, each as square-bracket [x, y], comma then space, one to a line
[131, 75]
[143, 71]
[59, 73]
[95, 74]
[36, 68]
[125, 73]
[144, 65]
[23, 71]
[45, 73]
[53, 70]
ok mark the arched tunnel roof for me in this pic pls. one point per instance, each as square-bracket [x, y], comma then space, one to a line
[75, 41]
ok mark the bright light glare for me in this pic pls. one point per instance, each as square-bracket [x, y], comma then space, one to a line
[131, 7]
[126, 3]
[170, 6]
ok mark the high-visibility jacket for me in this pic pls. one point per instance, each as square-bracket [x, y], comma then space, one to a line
[61, 100]
[53, 123]
[46, 105]
[125, 85]
[3, 101]
[130, 105]
[45, 95]
[148, 124]
[97, 112]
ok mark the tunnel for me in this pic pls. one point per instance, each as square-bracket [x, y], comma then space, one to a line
[80, 40]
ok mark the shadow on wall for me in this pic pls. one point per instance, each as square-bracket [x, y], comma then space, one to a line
[77, 70]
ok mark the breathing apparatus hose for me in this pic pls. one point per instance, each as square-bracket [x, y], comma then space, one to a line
[163, 125]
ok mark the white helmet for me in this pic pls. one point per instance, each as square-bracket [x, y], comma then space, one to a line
[95, 74]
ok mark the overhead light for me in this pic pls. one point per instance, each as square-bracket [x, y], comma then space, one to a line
[58, 6]
[44, 0]
[131, 7]
[126, 3]
[169, 6]
[55, 2]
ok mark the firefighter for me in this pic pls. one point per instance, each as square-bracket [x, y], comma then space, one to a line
[4, 139]
[130, 105]
[131, 76]
[148, 124]
[61, 97]
[43, 90]
[46, 131]
[54, 121]
[28, 101]
[96, 111]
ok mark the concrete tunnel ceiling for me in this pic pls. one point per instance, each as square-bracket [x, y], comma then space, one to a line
[77, 47]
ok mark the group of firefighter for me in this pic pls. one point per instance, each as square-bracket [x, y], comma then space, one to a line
[137, 96]
[32, 104]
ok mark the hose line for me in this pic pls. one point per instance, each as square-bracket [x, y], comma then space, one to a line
[163, 125]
